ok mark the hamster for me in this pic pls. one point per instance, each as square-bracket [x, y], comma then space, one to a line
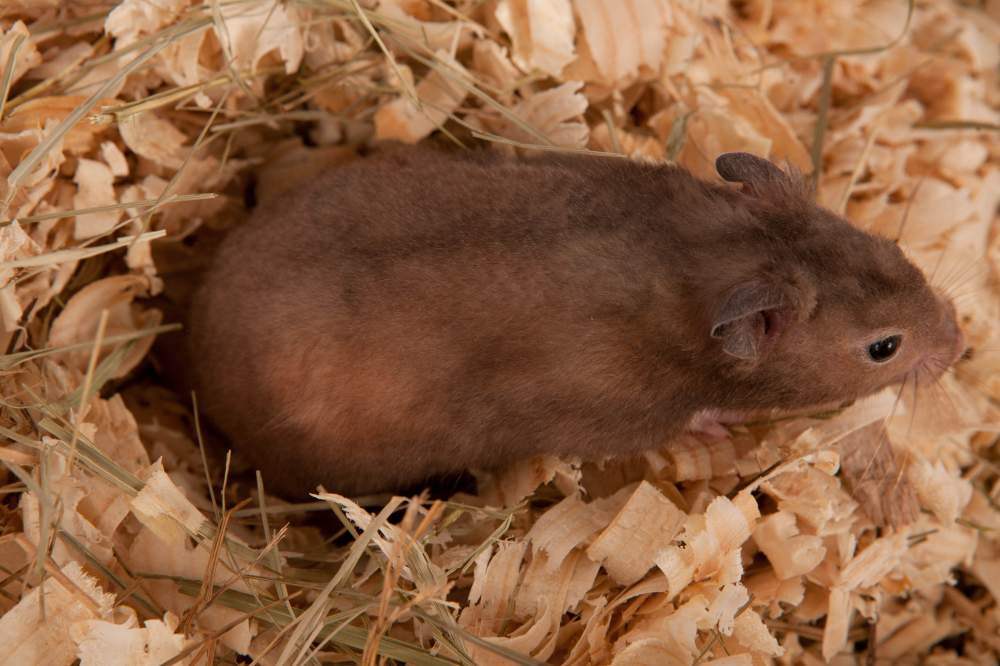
[420, 312]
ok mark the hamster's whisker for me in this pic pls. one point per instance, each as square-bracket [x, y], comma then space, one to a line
[945, 281]
[964, 290]
[935, 368]
[899, 396]
[906, 210]
[962, 275]
[947, 394]
[913, 407]
[970, 292]
[901, 469]
[884, 431]
[937, 267]
[977, 351]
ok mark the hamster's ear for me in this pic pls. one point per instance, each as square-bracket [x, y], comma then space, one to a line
[749, 315]
[758, 176]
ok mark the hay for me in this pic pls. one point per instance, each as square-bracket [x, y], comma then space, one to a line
[126, 129]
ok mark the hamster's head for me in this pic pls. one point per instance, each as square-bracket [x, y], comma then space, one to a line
[827, 313]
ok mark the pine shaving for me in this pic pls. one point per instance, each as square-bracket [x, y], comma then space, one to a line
[128, 137]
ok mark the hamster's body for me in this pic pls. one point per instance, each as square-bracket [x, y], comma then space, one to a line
[419, 313]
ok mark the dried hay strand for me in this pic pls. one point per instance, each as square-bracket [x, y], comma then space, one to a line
[127, 133]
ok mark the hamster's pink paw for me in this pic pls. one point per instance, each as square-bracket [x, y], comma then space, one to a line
[709, 423]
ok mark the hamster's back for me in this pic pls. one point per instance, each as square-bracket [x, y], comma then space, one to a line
[418, 312]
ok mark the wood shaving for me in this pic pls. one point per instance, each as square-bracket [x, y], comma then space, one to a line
[541, 33]
[865, 533]
[623, 38]
[78, 322]
[103, 643]
[94, 182]
[645, 525]
[34, 637]
[437, 96]
[552, 114]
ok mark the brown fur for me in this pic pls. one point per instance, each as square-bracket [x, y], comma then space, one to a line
[417, 313]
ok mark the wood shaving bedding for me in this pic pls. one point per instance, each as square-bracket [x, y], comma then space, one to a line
[866, 534]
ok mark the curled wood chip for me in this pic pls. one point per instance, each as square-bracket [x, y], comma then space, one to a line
[199, 174]
[838, 621]
[439, 94]
[114, 158]
[670, 636]
[446, 36]
[494, 582]
[790, 553]
[181, 559]
[554, 114]
[512, 484]
[528, 640]
[874, 562]
[931, 562]
[79, 320]
[712, 545]
[542, 33]
[14, 244]
[26, 53]
[154, 138]
[939, 490]
[815, 497]
[492, 62]
[103, 643]
[635, 145]
[35, 638]
[597, 613]
[570, 522]
[133, 18]
[713, 131]
[564, 589]
[761, 114]
[181, 62]
[251, 31]
[77, 517]
[15, 146]
[163, 508]
[694, 459]
[643, 527]
[823, 434]
[94, 188]
[751, 632]
[35, 113]
[117, 433]
[723, 609]
[333, 41]
[768, 589]
[623, 37]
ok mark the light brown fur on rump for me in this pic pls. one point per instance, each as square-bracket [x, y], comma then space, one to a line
[420, 312]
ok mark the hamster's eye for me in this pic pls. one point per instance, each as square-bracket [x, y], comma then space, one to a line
[884, 349]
